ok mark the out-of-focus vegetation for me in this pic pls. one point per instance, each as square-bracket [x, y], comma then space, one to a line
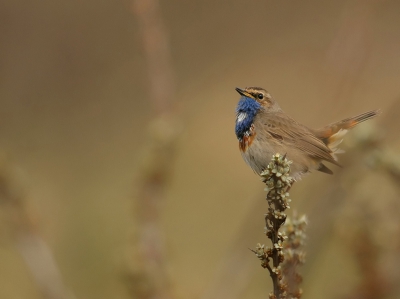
[80, 117]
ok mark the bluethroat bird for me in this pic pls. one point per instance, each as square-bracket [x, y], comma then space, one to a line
[263, 129]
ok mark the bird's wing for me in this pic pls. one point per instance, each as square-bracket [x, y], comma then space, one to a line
[287, 131]
[315, 148]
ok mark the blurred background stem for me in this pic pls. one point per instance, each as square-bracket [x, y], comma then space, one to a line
[149, 276]
[22, 230]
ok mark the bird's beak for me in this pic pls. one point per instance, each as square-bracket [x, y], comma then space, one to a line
[243, 92]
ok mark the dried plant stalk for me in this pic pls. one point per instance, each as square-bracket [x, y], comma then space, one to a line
[278, 182]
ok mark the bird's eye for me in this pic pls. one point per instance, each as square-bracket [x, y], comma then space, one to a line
[260, 96]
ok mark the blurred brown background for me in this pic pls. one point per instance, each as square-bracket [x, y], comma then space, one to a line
[75, 107]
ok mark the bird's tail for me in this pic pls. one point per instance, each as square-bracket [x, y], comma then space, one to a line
[332, 135]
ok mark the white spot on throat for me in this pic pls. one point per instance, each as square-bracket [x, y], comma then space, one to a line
[241, 117]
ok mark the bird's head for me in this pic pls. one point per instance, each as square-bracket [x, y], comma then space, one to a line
[258, 94]
[253, 100]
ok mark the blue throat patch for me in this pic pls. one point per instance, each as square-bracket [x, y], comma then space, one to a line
[246, 110]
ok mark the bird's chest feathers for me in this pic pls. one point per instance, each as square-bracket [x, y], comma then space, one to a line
[246, 112]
